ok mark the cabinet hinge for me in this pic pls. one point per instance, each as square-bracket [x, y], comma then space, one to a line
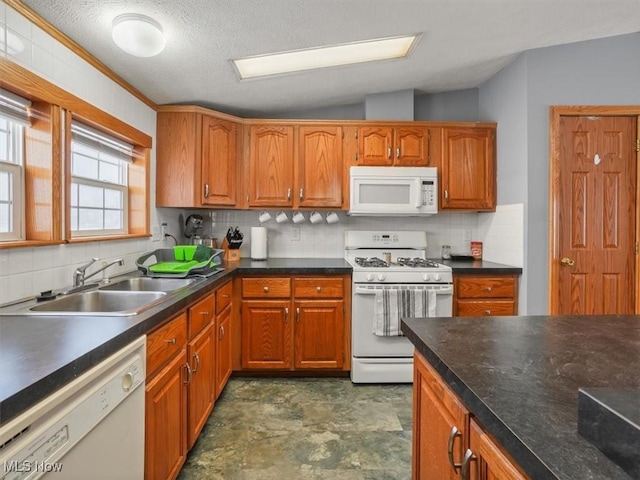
[356, 134]
[638, 144]
[356, 156]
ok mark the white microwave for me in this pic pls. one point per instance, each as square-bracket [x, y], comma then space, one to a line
[408, 191]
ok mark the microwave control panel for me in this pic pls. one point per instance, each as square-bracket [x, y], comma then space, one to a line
[429, 192]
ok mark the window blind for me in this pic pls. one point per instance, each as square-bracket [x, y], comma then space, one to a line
[14, 108]
[100, 141]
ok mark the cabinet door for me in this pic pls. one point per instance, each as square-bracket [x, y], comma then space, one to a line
[489, 461]
[468, 169]
[411, 147]
[319, 162]
[271, 166]
[375, 146]
[219, 156]
[266, 334]
[223, 349]
[166, 421]
[319, 334]
[201, 355]
[436, 412]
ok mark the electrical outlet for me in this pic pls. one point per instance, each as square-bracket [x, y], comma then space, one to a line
[155, 234]
[295, 234]
[467, 235]
[163, 229]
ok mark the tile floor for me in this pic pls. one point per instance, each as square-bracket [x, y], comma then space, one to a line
[305, 428]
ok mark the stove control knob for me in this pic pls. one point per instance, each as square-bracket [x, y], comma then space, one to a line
[436, 277]
[369, 277]
[381, 277]
[426, 277]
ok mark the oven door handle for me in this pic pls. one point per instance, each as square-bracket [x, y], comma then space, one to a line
[448, 290]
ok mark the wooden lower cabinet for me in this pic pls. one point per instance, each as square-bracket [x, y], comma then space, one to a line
[266, 334]
[223, 349]
[201, 381]
[483, 295]
[295, 323]
[448, 442]
[166, 420]
[439, 426]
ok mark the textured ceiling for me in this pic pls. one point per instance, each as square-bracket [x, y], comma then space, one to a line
[464, 44]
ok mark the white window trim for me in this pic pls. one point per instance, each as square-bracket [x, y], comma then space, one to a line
[18, 202]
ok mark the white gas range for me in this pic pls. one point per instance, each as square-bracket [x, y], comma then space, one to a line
[391, 261]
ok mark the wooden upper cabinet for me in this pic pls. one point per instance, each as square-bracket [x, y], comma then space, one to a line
[196, 159]
[219, 156]
[270, 166]
[400, 145]
[468, 168]
[375, 146]
[319, 166]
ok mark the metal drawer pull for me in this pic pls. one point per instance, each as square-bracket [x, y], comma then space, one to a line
[171, 341]
[318, 289]
[226, 295]
[197, 358]
[389, 152]
[297, 314]
[468, 457]
[488, 289]
[206, 190]
[286, 314]
[288, 194]
[452, 436]
[189, 374]
[265, 289]
[487, 312]
[301, 193]
[221, 335]
[204, 314]
[398, 152]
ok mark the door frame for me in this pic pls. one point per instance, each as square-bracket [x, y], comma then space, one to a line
[555, 112]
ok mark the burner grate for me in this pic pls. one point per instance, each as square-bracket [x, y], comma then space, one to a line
[371, 262]
[416, 262]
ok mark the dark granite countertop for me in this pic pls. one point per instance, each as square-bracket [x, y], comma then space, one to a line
[520, 377]
[479, 267]
[39, 354]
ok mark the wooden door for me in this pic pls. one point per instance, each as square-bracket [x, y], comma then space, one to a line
[223, 350]
[468, 169]
[219, 157]
[375, 146]
[271, 166]
[166, 421]
[411, 147]
[266, 334]
[596, 215]
[201, 355]
[319, 334]
[435, 412]
[319, 162]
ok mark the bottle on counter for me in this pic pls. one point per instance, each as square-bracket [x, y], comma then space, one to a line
[446, 252]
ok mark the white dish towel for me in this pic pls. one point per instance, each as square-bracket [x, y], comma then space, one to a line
[395, 303]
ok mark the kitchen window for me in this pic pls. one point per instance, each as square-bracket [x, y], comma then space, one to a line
[14, 116]
[98, 195]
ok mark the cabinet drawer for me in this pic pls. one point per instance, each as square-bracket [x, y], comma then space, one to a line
[485, 287]
[200, 315]
[479, 308]
[318, 288]
[266, 287]
[165, 342]
[223, 297]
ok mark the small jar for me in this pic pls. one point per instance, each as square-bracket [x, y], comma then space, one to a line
[476, 250]
[446, 252]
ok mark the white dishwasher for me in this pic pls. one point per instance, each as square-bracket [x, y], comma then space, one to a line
[92, 428]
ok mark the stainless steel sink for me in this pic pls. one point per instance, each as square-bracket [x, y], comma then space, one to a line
[148, 284]
[99, 303]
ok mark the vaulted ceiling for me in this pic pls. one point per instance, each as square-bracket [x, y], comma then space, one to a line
[464, 43]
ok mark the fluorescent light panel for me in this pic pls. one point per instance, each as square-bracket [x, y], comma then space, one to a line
[322, 57]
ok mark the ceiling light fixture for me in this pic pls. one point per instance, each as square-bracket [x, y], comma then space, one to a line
[322, 57]
[138, 35]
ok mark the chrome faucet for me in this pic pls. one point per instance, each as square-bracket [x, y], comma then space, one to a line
[79, 275]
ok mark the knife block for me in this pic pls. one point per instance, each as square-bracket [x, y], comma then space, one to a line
[230, 255]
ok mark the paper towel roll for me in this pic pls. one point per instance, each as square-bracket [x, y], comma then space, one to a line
[258, 243]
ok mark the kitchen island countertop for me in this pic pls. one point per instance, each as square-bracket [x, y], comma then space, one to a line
[520, 377]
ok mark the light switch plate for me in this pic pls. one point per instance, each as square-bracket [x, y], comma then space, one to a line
[295, 234]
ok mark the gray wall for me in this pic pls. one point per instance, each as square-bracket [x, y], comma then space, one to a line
[389, 106]
[596, 72]
[456, 106]
[354, 111]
